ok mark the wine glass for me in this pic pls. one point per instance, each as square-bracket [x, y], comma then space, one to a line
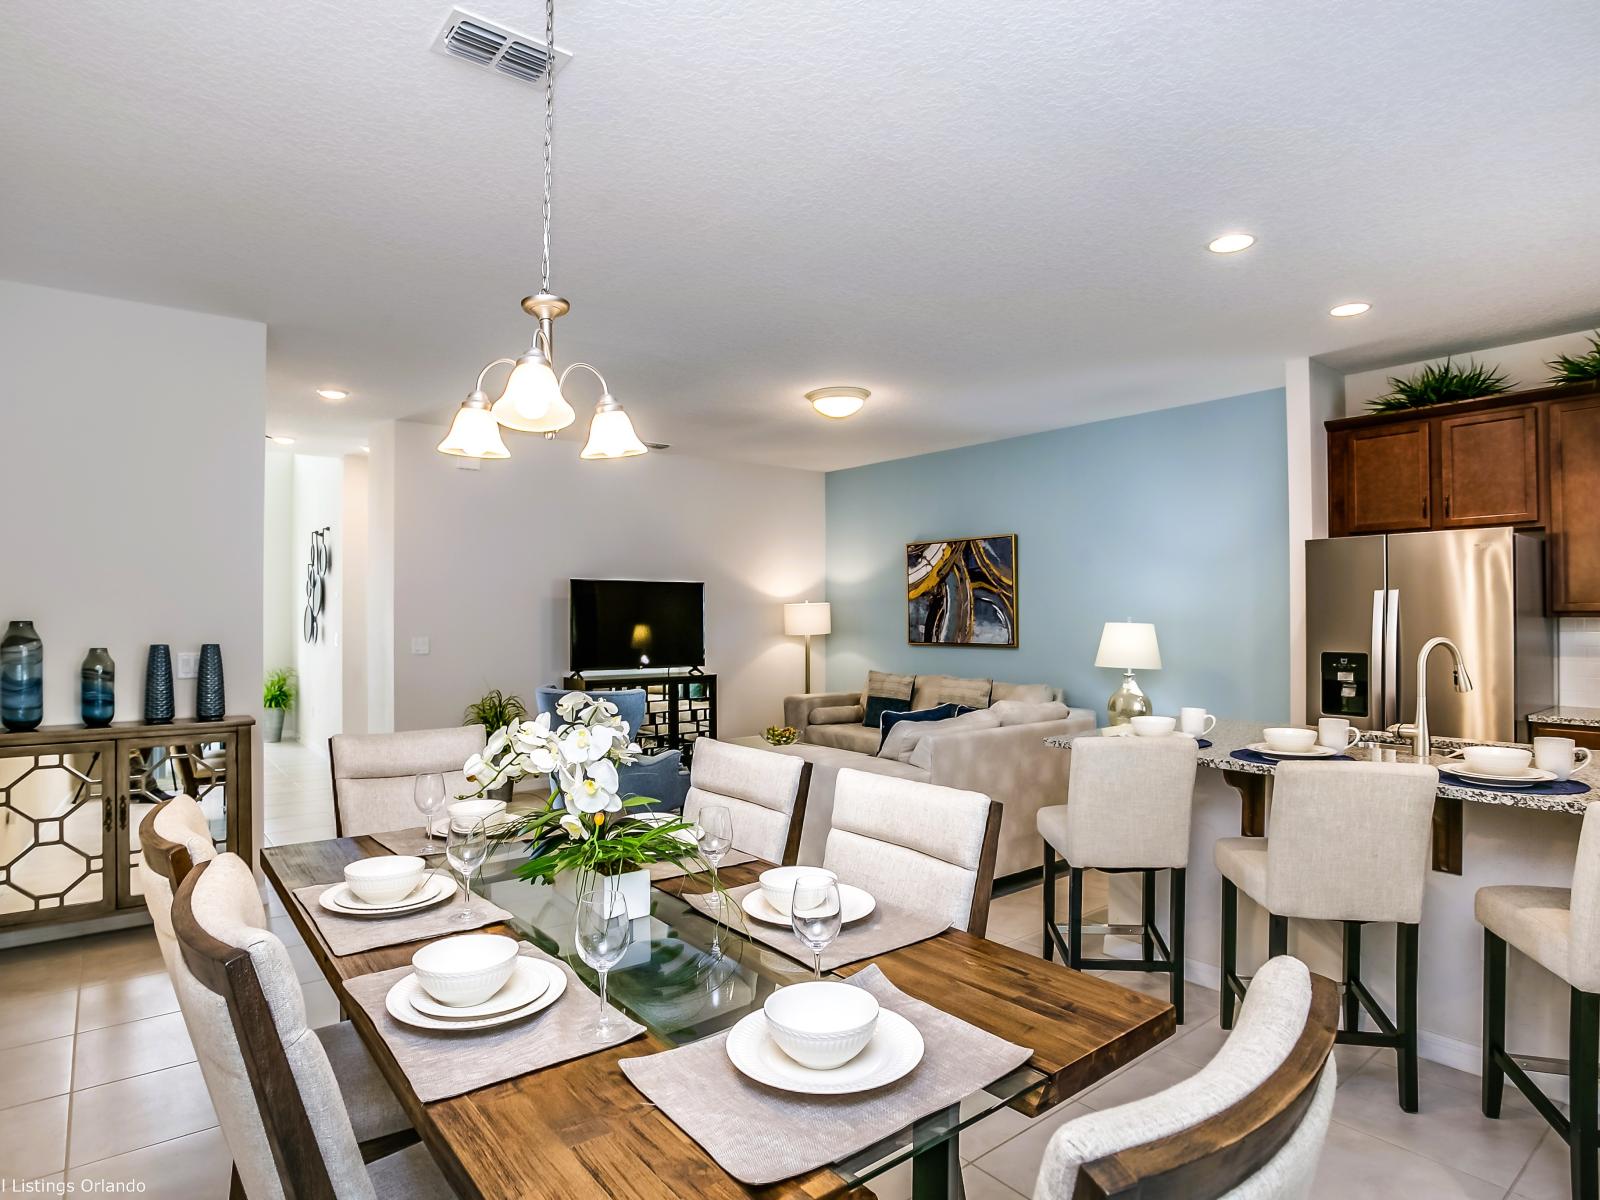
[814, 915]
[465, 851]
[427, 793]
[714, 831]
[603, 936]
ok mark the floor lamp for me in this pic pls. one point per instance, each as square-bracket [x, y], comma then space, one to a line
[808, 620]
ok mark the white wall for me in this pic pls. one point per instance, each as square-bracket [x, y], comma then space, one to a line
[319, 504]
[280, 612]
[482, 560]
[353, 587]
[380, 579]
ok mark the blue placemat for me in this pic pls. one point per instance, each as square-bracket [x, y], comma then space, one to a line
[1203, 743]
[1262, 760]
[1556, 787]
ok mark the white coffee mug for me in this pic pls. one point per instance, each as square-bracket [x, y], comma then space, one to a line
[1561, 756]
[1335, 733]
[1196, 722]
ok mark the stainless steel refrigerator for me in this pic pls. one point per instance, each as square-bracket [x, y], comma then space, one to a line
[1371, 603]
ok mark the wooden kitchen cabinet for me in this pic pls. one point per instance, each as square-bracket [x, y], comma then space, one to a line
[1381, 478]
[1488, 469]
[1575, 506]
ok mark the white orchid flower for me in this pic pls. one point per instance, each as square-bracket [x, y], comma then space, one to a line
[497, 742]
[571, 704]
[590, 797]
[475, 769]
[586, 744]
[604, 774]
[542, 760]
[569, 778]
[575, 828]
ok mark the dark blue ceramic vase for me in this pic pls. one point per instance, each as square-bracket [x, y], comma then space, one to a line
[21, 678]
[99, 688]
[209, 702]
[158, 705]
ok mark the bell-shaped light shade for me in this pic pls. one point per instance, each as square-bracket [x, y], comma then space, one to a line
[532, 401]
[611, 434]
[474, 433]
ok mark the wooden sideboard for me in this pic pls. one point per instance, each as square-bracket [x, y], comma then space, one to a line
[71, 800]
[1526, 458]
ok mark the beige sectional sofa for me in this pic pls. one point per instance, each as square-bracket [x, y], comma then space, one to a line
[1007, 762]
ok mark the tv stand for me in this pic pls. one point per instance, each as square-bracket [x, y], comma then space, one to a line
[679, 707]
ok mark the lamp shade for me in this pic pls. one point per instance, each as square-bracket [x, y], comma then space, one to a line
[611, 433]
[532, 401]
[474, 433]
[807, 619]
[1128, 646]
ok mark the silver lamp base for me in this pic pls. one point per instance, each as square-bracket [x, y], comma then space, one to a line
[1127, 702]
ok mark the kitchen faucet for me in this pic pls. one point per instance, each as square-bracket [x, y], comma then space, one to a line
[1421, 744]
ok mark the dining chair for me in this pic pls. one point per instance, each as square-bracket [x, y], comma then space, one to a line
[1559, 929]
[765, 795]
[374, 774]
[1130, 809]
[1347, 843]
[1248, 1125]
[173, 837]
[915, 844]
[289, 1109]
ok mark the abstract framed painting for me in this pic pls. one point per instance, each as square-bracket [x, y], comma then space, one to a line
[962, 592]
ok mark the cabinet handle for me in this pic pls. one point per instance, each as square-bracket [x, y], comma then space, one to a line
[122, 813]
[1447, 505]
[1425, 508]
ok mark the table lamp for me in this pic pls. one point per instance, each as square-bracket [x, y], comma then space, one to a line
[808, 620]
[1128, 646]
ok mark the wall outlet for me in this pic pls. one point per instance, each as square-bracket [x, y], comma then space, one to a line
[188, 664]
[419, 645]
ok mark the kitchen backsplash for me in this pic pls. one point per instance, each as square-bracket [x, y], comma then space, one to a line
[1578, 668]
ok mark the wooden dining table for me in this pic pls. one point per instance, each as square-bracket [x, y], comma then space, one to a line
[579, 1128]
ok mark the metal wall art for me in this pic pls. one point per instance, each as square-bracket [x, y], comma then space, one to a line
[317, 585]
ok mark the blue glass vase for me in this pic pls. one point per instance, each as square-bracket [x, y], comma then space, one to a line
[99, 688]
[21, 678]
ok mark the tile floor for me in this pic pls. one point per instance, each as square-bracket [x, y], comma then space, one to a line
[98, 1079]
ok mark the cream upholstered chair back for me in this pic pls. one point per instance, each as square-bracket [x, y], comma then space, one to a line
[174, 838]
[276, 1095]
[1129, 801]
[1349, 841]
[374, 774]
[1583, 950]
[915, 844]
[765, 795]
[1278, 1058]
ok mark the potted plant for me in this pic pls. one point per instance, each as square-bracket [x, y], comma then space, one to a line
[585, 827]
[1580, 368]
[1440, 383]
[495, 710]
[277, 698]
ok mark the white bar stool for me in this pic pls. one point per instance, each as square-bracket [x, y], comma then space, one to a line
[1559, 928]
[1128, 809]
[1347, 842]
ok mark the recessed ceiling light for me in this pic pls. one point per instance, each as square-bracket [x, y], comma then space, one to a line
[838, 403]
[333, 393]
[1231, 243]
[279, 440]
[1354, 309]
[366, 449]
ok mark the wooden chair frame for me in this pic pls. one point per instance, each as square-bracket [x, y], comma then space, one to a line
[171, 860]
[983, 888]
[797, 816]
[1217, 1155]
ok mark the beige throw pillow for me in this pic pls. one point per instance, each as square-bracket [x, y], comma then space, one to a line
[884, 693]
[1021, 712]
[921, 752]
[1031, 693]
[934, 690]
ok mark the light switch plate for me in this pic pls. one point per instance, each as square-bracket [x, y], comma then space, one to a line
[188, 664]
[419, 645]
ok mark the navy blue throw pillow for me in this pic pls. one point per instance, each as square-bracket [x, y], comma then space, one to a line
[939, 713]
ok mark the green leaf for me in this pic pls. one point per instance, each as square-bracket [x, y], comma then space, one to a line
[1440, 383]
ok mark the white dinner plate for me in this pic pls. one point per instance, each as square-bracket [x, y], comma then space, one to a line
[441, 829]
[855, 902]
[895, 1048]
[1314, 752]
[527, 984]
[402, 1006]
[339, 899]
[1525, 778]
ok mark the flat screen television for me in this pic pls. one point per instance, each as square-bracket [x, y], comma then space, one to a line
[626, 624]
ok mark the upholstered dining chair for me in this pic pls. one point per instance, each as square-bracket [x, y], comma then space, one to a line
[765, 795]
[1249, 1125]
[374, 774]
[916, 844]
[287, 1104]
[173, 838]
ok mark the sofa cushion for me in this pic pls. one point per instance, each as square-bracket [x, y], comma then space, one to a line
[932, 690]
[857, 738]
[838, 714]
[884, 692]
[904, 730]
[1031, 693]
[940, 713]
[1021, 712]
[921, 752]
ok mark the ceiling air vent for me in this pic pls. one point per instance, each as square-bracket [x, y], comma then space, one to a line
[494, 46]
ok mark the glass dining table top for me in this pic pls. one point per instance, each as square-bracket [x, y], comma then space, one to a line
[686, 977]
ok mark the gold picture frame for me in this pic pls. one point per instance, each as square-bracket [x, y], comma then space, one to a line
[963, 592]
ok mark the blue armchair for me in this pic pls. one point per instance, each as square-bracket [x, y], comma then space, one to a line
[659, 776]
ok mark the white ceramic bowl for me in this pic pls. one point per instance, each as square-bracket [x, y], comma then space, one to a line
[466, 969]
[1290, 737]
[1153, 726]
[821, 1025]
[777, 884]
[464, 814]
[384, 879]
[1496, 760]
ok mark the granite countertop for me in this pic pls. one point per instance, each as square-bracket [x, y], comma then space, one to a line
[1230, 735]
[1567, 714]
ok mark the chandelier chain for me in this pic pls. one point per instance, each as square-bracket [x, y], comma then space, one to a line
[549, 130]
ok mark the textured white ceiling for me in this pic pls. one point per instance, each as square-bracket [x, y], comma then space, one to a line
[994, 216]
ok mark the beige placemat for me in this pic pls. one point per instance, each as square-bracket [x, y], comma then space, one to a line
[352, 935]
[887, 928]
[666, 870]
[450, 1063]
[760, 1134]
[410, 841]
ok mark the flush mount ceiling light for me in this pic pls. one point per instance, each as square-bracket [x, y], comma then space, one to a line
[837, 403]
[1354, 309]
[1231, 243]
[532, 401]
[333, 393]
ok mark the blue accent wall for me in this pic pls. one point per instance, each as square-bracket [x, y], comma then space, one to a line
[1179, 517]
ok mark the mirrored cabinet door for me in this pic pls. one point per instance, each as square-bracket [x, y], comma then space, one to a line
[56, 832]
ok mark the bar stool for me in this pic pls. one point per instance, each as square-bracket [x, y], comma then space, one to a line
[1129, 802]
[1349, 843]
[1559, 928]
